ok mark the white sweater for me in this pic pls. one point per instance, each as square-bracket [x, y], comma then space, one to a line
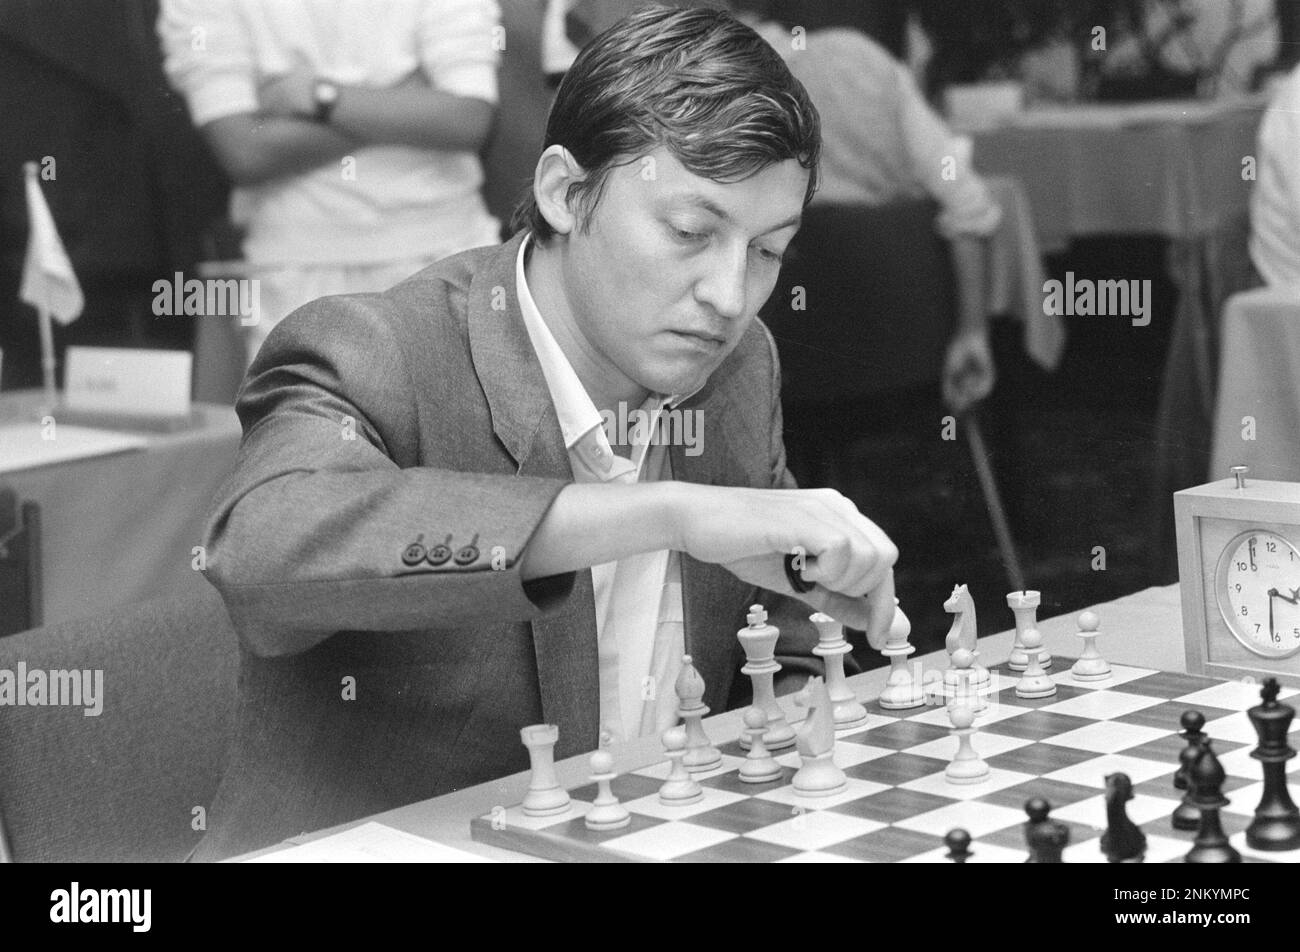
[400, 201]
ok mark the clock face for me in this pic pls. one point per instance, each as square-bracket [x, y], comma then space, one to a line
[1259, 592]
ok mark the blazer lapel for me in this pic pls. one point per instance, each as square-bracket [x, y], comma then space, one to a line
[523, 418]
[710, 592]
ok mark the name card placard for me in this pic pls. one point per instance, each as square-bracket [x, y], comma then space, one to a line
[128, 381]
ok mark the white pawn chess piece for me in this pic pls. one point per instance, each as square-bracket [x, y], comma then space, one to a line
[1034, 683]
[966, 765]
[759, 765]
[606, 812]
[758, 640]
[545, 796]
[679, 789]
[1025, 607]
[847, 711]
[700, 754]
[967, 692]
[1091, 666]
[901, 690]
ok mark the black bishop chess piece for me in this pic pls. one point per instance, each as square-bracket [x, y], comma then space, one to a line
[958, 843]
[1186, 816]
[1122, 842]
[1277, 821]
[1046, 838]
[1206, 778]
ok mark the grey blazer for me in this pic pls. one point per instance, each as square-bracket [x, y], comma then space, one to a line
[378, 668]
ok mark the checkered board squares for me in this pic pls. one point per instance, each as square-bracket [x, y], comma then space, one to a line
[898, 805]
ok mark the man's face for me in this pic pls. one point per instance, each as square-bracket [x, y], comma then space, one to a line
[673, 267]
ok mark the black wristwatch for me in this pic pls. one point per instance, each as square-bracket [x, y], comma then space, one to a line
[325, 95]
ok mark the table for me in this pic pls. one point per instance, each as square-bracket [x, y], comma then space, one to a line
[119, 529]
[1143, 629]
[1259, 377]
[1173, 169]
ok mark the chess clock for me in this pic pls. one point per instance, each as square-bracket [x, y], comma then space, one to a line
[1239, 569]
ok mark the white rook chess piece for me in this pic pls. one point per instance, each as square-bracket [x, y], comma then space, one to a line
[545, 796]
[1025, 607]
[606, 812]
[679, 789]
[759, 641]
[759, 765]
[700, 754]
[1091, 666]
[848, 713]
[966, 765]
[901, 690]
[1034, 683]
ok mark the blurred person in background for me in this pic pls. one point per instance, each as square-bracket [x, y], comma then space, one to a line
[350, 130]
[883, 143]
[1275, 200]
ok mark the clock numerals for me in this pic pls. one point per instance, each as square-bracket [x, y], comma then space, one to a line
[1258, 579]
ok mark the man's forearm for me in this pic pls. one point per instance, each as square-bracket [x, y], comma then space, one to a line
[255, 149]
[970, 258]
[412, 114]
[594, 523]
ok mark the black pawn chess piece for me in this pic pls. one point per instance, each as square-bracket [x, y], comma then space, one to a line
[1045, 837]
[1186, 816]
[1122, 842]
[958, 843]
[1277, 821]
[1206, 778]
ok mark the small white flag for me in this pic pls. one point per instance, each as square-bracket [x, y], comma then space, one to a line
[48, 282]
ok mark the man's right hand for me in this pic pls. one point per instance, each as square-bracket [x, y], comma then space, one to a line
[750, 531]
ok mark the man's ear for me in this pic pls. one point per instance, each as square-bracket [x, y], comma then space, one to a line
[556, 171]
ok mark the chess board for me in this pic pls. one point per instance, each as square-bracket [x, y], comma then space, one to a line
[898, 804]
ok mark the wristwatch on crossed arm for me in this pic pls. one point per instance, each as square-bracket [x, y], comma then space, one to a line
[325, 95]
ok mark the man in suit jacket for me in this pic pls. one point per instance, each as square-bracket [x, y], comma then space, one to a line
[422, 552]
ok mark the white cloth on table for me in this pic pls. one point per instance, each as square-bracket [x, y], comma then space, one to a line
[1275, 201]
[1257, 420]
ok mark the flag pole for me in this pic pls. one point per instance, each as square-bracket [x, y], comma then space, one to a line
[47, 358]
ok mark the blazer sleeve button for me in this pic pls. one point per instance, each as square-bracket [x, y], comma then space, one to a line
[413, 554]
[468, 554]
[440, 553]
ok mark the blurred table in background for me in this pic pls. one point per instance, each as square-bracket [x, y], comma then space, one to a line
[120, 529]
[1176, 169]
[1259, 378]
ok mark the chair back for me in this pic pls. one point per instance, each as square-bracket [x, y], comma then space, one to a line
[125, 767]
[878, 298]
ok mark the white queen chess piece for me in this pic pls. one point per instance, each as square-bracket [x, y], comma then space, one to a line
[848, 713]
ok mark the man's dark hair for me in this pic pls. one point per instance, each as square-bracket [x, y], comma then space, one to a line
[698, 82]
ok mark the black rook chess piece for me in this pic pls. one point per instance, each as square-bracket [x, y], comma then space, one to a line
[1186, 816]
[1206, 778]
[958, 843]
[1046, 838]
[1277, 821]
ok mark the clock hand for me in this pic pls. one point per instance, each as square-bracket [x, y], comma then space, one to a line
[1293, 598]
[1271, 592]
